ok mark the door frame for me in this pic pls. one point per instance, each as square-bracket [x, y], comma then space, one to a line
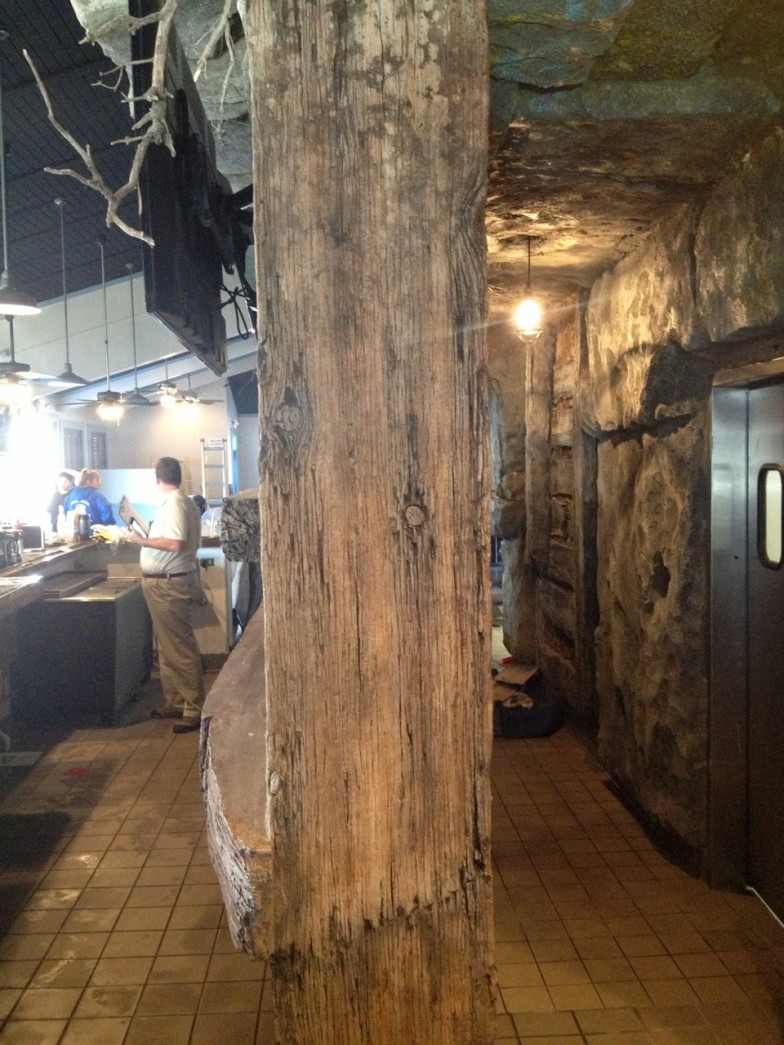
[728, 708]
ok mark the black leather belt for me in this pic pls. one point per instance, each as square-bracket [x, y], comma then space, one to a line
[165, 576]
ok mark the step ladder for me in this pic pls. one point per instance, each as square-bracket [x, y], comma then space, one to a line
[214, 469]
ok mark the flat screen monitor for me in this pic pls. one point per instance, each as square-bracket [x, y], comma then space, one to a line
[186, 208]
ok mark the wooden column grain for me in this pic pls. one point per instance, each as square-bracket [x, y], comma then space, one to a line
[370, 137]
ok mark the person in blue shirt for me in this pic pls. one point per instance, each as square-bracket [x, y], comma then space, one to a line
[86, 493]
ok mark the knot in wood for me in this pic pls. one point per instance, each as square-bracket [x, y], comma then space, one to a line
[274, 783]
[288, 418]
[415, 515]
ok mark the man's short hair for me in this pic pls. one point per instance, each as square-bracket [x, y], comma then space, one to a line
[168, 471]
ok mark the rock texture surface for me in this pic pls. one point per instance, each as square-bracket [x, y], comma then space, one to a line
[652, 658]
[241, 529]
[614, 558]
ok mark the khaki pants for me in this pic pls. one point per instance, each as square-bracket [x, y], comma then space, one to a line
[170, 602]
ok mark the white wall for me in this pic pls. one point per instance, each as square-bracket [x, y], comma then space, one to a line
[147, 433]
[248, 452]
[40, 340]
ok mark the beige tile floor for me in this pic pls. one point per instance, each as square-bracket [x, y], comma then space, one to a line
[112, 929]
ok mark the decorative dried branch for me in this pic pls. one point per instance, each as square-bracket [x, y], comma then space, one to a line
[157, 129]
[117, 71]
[220, 29]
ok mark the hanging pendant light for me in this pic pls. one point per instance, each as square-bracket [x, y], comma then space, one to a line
[12, 301]
[14, 390]
[136, 398]
[110, 404]
[68, 377]
[528, 314]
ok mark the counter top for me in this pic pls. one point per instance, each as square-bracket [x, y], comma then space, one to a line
[90, 556]
[16, 592]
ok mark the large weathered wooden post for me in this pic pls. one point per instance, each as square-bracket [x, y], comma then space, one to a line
[369, 127]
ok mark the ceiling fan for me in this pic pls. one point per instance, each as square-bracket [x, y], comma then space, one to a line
[171, 395]
[194, 399]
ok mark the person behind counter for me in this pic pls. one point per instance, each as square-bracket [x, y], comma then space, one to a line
[171, 589]
[86, 493]
[64, 485]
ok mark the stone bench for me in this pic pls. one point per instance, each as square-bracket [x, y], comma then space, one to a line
[233, 777]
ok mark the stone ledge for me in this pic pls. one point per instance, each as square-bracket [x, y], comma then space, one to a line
[233, 777]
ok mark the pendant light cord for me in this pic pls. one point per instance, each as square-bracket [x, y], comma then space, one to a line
[105, 312]
[3, 38]
[129, 266]
[60, 202]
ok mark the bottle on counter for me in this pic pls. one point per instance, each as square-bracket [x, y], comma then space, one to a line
[62, 525]
[82, 524]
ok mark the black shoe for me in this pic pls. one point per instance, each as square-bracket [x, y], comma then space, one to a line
[168, 712]
[188, 725]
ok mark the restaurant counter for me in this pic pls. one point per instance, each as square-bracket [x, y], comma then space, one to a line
[75, 635]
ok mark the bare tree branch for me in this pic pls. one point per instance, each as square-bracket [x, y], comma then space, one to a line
[157, 129]
[221, 28]
[93, 37]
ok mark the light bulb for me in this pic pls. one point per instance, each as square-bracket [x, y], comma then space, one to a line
[111, 412]
[528, 320]
[14, 392]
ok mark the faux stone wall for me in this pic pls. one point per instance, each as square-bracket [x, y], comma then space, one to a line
[507, 366]
[705, 292]
[651, 643]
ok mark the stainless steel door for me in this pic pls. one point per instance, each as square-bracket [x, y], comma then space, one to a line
[765, 866]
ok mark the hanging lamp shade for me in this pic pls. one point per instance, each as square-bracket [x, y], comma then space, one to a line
[13, 302]
[15, 390]
[68, 377]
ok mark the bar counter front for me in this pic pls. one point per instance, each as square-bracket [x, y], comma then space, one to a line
[75, 635]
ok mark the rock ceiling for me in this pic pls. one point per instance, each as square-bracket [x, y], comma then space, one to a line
[606, 115]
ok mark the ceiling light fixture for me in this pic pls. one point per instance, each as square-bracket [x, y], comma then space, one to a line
[12, 301]
[169, 394]
[167, 390]
[68, 377]
[14, 390]
[528, 314]
[110, 404]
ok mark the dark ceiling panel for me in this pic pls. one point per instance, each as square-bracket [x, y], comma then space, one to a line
[48, 29]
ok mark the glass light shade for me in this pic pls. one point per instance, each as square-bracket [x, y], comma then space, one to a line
[528, 320]
[111, 411]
